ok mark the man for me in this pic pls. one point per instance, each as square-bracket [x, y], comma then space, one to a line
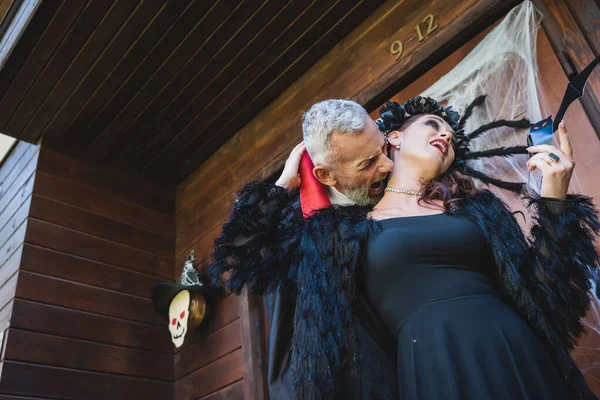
[348, 151]
[350, 158]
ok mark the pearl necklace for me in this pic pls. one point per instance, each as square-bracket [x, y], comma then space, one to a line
[403, 191]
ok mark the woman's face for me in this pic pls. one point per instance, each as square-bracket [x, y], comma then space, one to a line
[425, 142]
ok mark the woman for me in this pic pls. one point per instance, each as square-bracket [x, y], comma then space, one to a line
[478, 310]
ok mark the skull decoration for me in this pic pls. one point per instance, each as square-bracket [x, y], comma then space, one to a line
[185, 303]
[179, 312]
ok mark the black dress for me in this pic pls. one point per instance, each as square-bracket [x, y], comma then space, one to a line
[429, 277]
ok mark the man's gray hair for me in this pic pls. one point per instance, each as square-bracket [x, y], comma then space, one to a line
[325, 118]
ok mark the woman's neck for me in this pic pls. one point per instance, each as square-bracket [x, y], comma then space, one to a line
[409, 179]
[406, 176]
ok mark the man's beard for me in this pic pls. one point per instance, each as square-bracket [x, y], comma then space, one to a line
[360, 196]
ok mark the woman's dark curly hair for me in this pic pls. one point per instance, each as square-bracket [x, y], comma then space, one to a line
[449, 187]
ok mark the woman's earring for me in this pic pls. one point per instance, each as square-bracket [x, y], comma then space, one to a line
[398, 146]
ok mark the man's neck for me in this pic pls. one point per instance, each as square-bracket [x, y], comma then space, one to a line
[338, 198]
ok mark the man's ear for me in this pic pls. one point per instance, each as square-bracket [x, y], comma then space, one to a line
[324, 176]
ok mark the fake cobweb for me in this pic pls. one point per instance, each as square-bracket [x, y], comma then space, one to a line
[504, 67]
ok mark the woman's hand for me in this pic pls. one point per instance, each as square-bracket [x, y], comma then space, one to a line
[556, 174]
[290, 177]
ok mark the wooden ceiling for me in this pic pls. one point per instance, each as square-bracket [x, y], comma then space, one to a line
[151, 84]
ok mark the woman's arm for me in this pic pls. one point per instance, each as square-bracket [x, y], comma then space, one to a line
[563, 252]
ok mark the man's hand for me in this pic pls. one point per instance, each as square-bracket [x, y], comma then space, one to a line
[556, 165]
[290, 177]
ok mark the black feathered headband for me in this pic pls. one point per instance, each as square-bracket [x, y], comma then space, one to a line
[393, 115]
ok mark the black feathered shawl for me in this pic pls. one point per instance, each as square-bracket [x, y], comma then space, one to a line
[545, 277]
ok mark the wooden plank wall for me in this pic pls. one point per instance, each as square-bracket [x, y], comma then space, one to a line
[83, 324]
[17, 174]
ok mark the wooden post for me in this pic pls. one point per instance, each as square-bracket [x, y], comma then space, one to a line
[253, 334]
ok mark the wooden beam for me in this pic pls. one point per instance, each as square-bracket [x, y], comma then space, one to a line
[14, 21]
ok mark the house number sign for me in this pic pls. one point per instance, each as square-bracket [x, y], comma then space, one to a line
[423, 29]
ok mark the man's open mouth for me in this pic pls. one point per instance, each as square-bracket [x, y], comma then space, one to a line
[377, 188]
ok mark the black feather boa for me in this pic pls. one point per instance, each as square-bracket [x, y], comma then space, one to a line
[253, 243]
[561, 266]
[326, 270]
[544, 277]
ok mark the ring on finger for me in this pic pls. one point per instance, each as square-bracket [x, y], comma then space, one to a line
[552, 158]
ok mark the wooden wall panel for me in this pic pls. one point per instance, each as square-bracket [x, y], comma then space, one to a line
[214, 345]
[78, 269]
[20, 174]
[232, 392]
[16, 184]
[92, 245]
[21, 195]
[7, 293]
[45, 234]
[61, 321]
[21, 154]
[102, 202]
[64, 293]
[25, 379]
[129, 187]
[225, 311]
[86, 355]
[217, 375]
[106, 228]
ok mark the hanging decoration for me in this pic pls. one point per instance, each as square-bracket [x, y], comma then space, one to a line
[185, 303]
